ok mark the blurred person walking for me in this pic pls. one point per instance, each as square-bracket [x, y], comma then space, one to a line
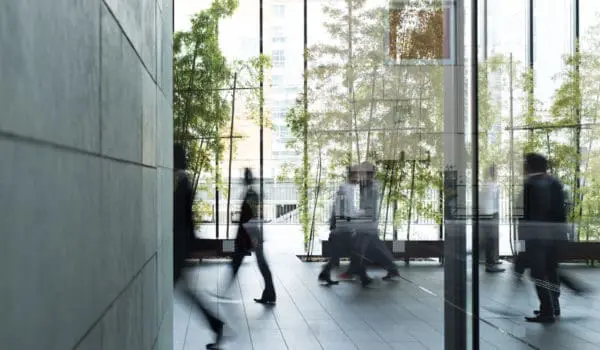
[341, 226]
[372, 248]
[542, 225]
[489, 208]
[544, 218]
[184, 241]
[249, 237]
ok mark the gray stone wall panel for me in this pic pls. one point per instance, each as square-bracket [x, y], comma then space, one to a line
[149, 115]
[52, 245]
[50, 72]
[121, 94]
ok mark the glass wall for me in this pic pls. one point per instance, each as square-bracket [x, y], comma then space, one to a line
[389, 83]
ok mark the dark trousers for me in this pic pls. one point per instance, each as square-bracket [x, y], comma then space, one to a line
[490, 231]
[263, 266]
[372, 249]
[184, 284]
[555, 276]
[543, 260]
[342, 243]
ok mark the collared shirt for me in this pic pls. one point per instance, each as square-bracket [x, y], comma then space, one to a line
[489, 198]
[345, 205]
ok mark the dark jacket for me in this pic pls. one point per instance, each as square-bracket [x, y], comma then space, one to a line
[544, 211]
[249, 211]
[544, 199]
[183, 223]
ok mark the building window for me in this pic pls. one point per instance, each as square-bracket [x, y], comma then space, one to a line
[277, 80]
[278, 10]
[282, 132]
[278, 58]
[279, 114]
[278, 35]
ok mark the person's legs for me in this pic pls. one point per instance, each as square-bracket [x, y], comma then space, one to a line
[538, 265]
[335, 248]
[214, 322]
[490, 231]
[553, 277]
[268, 295]
[358, 258]
[236, 262]
[496, 239]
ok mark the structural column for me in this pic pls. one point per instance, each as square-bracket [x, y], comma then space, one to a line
[455, 277]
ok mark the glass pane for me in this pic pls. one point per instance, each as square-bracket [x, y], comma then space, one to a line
[553, 39]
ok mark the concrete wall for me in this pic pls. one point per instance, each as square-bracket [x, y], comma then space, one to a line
[85, 174]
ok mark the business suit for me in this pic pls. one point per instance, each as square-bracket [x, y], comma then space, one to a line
[341, 235]
[184, 241]
[371, 247]
[543, 206]
[244, 244]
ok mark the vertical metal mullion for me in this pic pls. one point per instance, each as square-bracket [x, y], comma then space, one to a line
[261, 115]
[475, 171]
[530, 57]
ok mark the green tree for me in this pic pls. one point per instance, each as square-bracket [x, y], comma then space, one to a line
[200, 109]
[574, 113]
[363, 109]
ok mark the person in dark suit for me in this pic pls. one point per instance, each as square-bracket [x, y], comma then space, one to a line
[184, 240]
[543, 216]
[543, 222]
[245, 242]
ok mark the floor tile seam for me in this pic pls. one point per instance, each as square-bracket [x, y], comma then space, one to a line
[334, 320]
[239, 286]
[297, 309]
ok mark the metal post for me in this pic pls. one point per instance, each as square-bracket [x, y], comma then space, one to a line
[512, 231]
[455, 274]
[530, 33]
[217, 192]
[577, 196]
[484, 49]
[531, 59]
[230, 154]
[475, 173]
[261, 116]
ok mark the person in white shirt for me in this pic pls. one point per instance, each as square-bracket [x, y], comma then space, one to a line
[342, 226]
[370, 246]
[489, 208]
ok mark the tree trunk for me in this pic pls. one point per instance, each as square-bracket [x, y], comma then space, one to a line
[186, 116]
[411, 197]
[371, 113]
[230, 154]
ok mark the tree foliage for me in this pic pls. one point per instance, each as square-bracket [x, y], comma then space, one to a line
[201, 72]
[203, 94]
[361, 108]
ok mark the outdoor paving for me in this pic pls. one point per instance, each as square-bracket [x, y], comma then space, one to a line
[405, 314]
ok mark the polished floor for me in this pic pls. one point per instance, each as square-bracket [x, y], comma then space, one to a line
[404, 314]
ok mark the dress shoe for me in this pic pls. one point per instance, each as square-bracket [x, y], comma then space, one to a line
[556, 313]
[540, 319]
[390, 275]
[324, 277]
[265, 301]
[493, 269]
[366, 281]
[219, 338]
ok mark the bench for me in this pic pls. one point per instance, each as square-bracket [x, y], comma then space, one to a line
[213, 248]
